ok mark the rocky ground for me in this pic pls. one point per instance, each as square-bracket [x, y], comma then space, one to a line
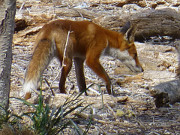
[133, 110]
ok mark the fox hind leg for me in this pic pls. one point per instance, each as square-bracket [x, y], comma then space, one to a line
[65, 69]
[79, 69]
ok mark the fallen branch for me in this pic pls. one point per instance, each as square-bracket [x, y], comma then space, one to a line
[150, 22]
[75, 12]
[165, 93]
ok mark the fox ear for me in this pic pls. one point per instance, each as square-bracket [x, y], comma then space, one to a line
[129, 32]
[125, 27]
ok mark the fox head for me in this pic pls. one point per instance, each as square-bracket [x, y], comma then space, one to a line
[125, 51]
[128, 50]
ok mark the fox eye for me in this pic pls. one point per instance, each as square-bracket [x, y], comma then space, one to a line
[135, 55]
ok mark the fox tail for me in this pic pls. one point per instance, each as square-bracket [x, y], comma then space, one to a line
[42, 55]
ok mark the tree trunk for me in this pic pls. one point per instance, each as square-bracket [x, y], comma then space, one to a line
[7, 15]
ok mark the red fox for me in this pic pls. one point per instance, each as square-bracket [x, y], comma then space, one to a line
[87, 42]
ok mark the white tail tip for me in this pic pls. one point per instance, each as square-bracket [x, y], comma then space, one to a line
[29, 86]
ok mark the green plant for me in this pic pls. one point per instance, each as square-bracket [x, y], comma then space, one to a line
[51, 121]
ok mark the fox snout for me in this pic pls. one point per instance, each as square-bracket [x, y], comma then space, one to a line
[133, 64]
[139, 69]
[135, 69]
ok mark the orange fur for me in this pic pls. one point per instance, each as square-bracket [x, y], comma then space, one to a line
[87, 41]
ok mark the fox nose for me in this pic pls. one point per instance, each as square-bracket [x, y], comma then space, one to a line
[141, 69]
